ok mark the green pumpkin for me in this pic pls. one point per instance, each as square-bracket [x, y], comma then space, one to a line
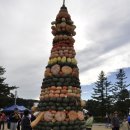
[59, 100]
[60, 108]
[63, 128]
[56, 128]
[65, 123]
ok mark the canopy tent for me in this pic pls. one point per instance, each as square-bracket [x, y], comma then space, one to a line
[12, 108]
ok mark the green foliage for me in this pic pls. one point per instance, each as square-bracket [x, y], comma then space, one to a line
[123, 95]
[7, 98]
[119, 88]
[102, 93]
[109, 98]
[94, 107]
[4, 88]
[123, 106]
[98, 119]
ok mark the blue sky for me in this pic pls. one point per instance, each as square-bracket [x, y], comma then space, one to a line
[88, 89]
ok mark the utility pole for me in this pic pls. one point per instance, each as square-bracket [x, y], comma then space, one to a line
[15, 98]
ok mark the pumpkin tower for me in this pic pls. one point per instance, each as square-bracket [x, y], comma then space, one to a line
[60, 97]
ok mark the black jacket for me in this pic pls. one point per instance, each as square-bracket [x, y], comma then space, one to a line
[14, 117]
[26, 123]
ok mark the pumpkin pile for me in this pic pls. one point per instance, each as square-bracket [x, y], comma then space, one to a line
[60, 97]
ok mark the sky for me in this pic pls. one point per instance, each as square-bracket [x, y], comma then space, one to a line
[87, 90]
[102, 39]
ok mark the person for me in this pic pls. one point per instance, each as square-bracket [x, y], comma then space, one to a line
[19, 122]
[14, 118]
[89, 121]
[115, 121]
[125, 125]
[0, 120]
[8, 121]
[107, 120]
[128, 118]
[26, 122]
[3, 119]
[33, 110]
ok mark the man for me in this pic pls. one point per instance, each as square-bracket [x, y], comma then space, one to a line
[14, 118]
[115, 121]
[26, 122]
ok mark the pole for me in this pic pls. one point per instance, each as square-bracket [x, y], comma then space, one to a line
[63, 2]
[15, 100]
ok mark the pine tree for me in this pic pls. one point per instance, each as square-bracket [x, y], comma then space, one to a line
[108, 96]
[5, 89]
[102, 93]
[99, 91]
[120, 86]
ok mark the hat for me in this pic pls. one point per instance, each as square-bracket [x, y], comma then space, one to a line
[85, 111]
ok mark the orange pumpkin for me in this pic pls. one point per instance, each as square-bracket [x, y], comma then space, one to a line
[60, 116]
[48, 116]
[53, 88]
[64, 91]
[73, 115]
[65, 87]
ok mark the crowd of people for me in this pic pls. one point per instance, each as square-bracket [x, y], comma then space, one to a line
[17, 120]
[23, 121]
[113, 121]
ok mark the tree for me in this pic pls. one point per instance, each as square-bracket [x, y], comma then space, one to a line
[119, 86]
[5, 90]
[93, 107]
[108, 97]
[99, 91]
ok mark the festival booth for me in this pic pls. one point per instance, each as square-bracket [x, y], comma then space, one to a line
[13, 107]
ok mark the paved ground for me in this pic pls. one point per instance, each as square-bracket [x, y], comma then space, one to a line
[100, 127]
[95, 127]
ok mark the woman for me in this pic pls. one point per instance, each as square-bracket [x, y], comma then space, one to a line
[89, 121]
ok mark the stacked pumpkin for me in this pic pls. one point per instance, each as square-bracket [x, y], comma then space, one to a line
[60, 97]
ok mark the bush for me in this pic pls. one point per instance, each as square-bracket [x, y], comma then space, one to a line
[98, 119]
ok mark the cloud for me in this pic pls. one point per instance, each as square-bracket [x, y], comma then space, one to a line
[108, 30]
[102, 40]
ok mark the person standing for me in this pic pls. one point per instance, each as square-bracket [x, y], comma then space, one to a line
[115, 121]
[33, 110]
[19, 122]
[89, 121]
[125, 125]
[0, 119]
[3, 119]
[128, 118]
[26, 121]
[14, 118]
